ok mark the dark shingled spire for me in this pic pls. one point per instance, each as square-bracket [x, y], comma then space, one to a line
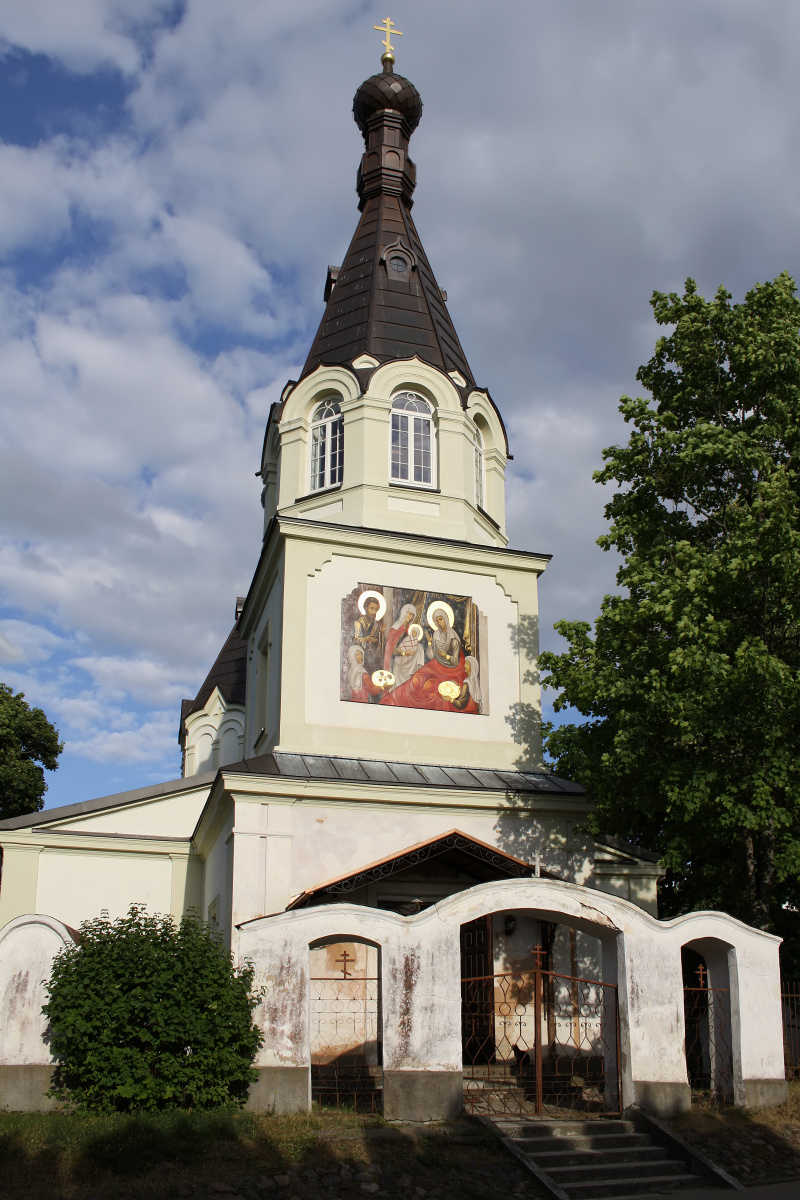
[229, 674]
[384, 300]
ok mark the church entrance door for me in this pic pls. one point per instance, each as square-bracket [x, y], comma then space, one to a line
[345, 1027]
[535, 1042]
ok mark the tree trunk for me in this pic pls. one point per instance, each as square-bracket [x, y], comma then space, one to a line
[765, 879]
[750, 872]
[759, 854]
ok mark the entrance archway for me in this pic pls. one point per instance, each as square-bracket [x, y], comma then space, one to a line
[708, 1038]
[538, 1038]
[345, 1024]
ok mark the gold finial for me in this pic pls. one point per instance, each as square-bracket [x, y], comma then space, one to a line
[387, 58]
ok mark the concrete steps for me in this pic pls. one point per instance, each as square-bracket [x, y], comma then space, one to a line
[596, 1160]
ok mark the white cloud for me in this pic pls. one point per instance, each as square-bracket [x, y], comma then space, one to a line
[22, 641]
[570, 158]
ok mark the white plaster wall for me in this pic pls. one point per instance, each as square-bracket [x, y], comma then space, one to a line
[78, 885]
[28, 946]
[328, 841]
[167, 816]
[421, 977]
[755, 982]
[336, 579]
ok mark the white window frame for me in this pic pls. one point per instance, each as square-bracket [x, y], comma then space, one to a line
[480, 469]
[327, 424]
[407, 408]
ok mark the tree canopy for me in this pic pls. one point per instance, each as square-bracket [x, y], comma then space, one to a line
[690, 684]
[28, 742]
[146, 1015]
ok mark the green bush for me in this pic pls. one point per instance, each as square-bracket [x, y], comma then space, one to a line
[148, 1015]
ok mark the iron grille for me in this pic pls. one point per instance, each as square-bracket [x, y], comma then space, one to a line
[540, 1043]
[790, 1005]
[346, 1051]
[707, 1020]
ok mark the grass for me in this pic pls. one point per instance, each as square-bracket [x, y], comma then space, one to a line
[75, 1156]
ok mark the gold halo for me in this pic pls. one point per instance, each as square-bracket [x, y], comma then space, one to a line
[417, 631]
[449, 689]
[362, 600]
[383, 678]
[432, 609]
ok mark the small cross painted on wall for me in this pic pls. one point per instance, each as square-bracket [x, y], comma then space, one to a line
[345, 959]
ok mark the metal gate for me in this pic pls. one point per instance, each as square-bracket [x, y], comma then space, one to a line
[707, 1023]
[539, 1043]
[346, 1050]
[790, 1004]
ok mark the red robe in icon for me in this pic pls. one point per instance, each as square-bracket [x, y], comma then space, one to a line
[422, 689]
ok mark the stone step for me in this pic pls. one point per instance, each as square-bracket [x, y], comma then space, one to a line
[598, 1170]
[558, 1128]
[549, 1159]
[583, 1145]
[611, 1189]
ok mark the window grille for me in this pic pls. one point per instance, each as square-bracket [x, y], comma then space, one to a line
[412, 445]
[327, 446]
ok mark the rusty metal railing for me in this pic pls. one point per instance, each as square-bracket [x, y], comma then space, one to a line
[346, 1050]
[539, 1043]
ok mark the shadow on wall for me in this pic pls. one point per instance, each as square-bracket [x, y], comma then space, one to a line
[525, 719]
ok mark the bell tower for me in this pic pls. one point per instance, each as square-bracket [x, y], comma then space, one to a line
[387, 615]
[386, 428]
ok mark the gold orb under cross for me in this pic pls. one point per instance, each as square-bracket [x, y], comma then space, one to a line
[388, 28]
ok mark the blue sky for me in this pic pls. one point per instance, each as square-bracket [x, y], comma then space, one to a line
[174, 180]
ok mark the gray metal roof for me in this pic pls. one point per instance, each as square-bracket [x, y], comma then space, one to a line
[328, 767]
[118, 800]
[322, 767]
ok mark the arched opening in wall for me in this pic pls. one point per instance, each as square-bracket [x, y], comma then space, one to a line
[345, 1025]
[229, 747]
[203, 753]
[707, 1018]
[539, 1018]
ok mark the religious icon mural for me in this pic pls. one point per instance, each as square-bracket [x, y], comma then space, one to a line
[413, 649]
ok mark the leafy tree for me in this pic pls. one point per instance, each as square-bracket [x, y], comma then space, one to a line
[26, 739]
[691, 684]
[146, 1015]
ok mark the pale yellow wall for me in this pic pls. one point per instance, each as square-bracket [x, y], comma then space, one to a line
[321, 566]
[170, 816]
[20, 880]
[76, 886]
[264, 656]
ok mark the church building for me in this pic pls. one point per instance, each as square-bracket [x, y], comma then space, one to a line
[364, 810]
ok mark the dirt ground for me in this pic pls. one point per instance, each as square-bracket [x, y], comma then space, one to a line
[754, 1145]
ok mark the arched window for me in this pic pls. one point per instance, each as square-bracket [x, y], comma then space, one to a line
[327, 446]
[412, 445]
[479, 469]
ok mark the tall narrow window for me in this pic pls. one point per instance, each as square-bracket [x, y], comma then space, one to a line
[412, 445]
[479, 468]
[327, 446]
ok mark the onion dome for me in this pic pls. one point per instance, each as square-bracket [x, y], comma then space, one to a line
[387, 90]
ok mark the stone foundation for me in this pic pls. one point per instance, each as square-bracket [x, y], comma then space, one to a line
[422, 1095]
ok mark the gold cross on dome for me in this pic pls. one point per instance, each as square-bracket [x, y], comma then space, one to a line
[388, 28]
